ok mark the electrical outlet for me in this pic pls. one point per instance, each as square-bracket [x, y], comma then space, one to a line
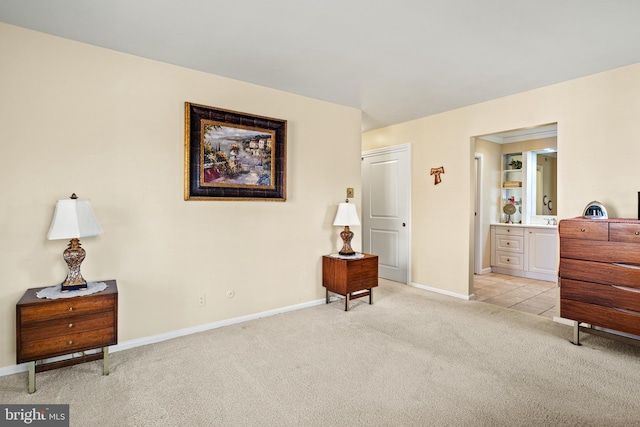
[349, 193]
[202, 300]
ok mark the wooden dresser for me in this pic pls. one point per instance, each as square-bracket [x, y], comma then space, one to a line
[353, 278]
[47, 328]
[600, 275]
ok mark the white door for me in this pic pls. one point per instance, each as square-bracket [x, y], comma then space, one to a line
[386, 182]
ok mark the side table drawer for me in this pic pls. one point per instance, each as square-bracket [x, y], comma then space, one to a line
[66, 344]
[65, 307]
[71, 325]
[362, 269]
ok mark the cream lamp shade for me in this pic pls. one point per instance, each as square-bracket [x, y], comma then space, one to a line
[346, 216]
[73, 218]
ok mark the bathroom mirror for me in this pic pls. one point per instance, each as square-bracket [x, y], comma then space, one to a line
[546, 172]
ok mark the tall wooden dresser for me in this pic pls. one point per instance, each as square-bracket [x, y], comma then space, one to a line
[600, 275]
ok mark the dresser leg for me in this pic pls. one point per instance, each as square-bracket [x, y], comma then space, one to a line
[327, 295]
[576, 333]
[32, 377]
[105, 360]
[370, 296]
[346, 302]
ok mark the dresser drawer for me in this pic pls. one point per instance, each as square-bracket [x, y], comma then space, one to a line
[604, 317]
[588, 230]
[73, 324]
[509, 243]
[366, 267]
[65, 307]
[362, 274]
[509, 231]
[66, 344]
[618, 252]
[613, 296]
[624, 232]
[600, 272]
[509, 260]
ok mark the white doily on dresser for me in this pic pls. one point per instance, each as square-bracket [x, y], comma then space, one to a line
[55, 293]
[357, 255]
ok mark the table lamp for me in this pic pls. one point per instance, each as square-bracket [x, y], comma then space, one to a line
[73, 219]
[346, 216]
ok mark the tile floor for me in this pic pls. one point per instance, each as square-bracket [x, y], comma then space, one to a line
[528, 295]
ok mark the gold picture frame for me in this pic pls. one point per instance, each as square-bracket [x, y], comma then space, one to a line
[233, 156]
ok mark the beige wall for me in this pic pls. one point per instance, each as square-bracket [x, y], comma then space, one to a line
[109, 127]
[598, 134]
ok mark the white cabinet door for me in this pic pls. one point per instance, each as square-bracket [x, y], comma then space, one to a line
[542, 251]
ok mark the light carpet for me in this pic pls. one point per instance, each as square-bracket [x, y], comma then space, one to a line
[413, 358]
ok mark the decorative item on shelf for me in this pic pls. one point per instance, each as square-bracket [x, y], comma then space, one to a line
[515, 164]
[509, 209]
[512, 184]
[595, 210]
[437, 172]
[346, 216]
[73, 219]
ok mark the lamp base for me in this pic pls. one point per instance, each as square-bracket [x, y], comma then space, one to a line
[346, 235]
[353, 253]
[67, 288]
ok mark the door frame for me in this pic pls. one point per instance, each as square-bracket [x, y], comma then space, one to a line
[477, 223]
[389, 150]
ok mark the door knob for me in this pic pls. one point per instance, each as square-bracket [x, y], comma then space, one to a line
[404, 225]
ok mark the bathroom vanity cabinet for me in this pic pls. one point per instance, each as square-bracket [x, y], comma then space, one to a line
[525, 251]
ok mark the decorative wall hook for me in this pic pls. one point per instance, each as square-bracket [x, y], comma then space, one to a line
[437, 172]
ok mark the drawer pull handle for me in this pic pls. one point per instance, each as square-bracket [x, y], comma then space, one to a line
[622, 310]
[70, 308]
[70, 325]
[631, 266]
[582, 230]
[637, 233]
[70, 342]
[508, 243]
[624, 288]
[508, 259]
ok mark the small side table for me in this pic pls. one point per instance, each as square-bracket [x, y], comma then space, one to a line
[47, 328]
[350, 277]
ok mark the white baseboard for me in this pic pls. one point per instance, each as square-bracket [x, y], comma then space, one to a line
[441, 291]
[23, 367]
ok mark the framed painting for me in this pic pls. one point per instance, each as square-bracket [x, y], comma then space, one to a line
[233, 156]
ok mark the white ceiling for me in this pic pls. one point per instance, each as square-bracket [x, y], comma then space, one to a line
[394, 60]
